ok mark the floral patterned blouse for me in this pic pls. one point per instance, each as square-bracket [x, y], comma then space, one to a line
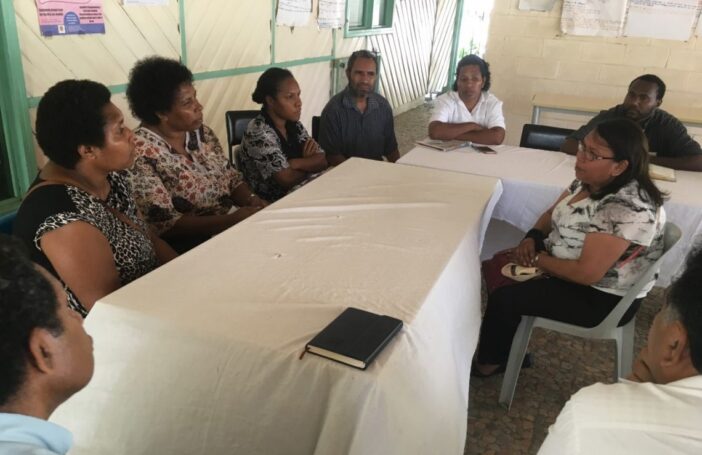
[167, 185]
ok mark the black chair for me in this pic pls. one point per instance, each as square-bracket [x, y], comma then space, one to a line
[543, 137]
[237, 121]
[315, 127]
[6, 222]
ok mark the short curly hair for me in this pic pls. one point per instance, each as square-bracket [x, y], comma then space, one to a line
[268, 83]
[480, 63]
[70, 114]
[27, 301]
[153, 85]
[653, 79]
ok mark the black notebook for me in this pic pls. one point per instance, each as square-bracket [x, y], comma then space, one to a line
[355, 337]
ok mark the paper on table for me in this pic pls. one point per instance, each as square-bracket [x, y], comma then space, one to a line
[293, 13]
[444, 146]
[331, 13]
[662, 19]
[593, 17]
[661, 173]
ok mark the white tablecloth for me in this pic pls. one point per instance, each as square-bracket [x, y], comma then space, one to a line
[533, 179]
[201, 355]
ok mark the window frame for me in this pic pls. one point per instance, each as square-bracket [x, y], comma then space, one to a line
[16, 127]
[366, 28]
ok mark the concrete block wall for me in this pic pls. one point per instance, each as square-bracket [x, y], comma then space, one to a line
[528, 54]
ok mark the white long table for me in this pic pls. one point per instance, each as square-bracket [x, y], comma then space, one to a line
[533, 179]
[201, 355]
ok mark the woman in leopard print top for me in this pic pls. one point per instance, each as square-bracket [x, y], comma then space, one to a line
[79, 218]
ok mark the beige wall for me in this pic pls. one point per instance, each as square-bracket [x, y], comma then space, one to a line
[528, 55]
[224, 40]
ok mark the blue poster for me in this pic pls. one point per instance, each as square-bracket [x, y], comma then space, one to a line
[70, 17]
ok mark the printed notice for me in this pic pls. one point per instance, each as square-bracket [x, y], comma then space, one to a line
[70, 17]
[662, 19]
[593, 17]
[536, 5]
[293, 13]
[331, 13]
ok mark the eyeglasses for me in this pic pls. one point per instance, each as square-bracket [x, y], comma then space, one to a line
[589, 155]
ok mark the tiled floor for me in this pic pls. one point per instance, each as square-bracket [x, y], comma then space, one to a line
[563, 364]
[412, 126]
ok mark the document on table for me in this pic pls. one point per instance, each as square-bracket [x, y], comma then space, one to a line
[593, 17]
[661, 19]
[331, 13]
[293, 13]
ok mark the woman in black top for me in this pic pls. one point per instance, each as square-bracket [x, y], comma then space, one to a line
[277, 153]
[79, 218]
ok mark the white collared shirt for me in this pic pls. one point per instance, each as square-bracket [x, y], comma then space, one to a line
[630, 418]
[449, 108]
[25, 435]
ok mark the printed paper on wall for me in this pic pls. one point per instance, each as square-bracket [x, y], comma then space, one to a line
[70, 17]
[293, 13]
[593, 17]
[536, 5]
[331, 13]
[662, 19]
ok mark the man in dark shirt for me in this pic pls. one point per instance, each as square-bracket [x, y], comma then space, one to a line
[357, 121]
[667, 136]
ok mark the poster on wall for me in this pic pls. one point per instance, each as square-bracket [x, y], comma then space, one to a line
[70, 17]
[293, 13]
[331, 13]
[662, 19]
[536, 5]
[593, 17]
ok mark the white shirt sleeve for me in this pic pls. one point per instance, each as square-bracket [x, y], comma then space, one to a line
[443, 109]
[562, 436]
[495, 118]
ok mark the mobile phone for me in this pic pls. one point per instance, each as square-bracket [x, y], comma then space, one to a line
[484, 149]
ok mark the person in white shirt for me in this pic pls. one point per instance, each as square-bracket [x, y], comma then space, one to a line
[469, 112]
[658, 409]
[45, 355]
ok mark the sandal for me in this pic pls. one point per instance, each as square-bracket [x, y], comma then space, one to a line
[528, 362]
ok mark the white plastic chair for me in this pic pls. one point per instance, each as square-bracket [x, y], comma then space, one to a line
[606, 330]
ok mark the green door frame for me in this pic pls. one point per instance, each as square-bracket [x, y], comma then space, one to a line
[15, 107]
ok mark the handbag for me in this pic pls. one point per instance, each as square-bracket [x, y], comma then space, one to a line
[492, 271]
[500, 271]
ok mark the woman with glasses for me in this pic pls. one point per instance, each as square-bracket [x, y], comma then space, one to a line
[593, 244]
